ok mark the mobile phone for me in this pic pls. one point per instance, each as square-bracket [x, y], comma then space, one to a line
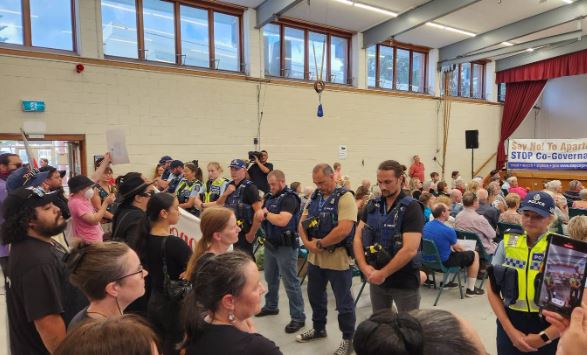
[563, 279]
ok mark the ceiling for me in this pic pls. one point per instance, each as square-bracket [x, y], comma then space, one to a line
[477, 18]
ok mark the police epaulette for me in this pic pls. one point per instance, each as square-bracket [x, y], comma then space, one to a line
[514, 231]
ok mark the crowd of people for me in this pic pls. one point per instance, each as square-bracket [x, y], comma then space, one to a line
[98, 272]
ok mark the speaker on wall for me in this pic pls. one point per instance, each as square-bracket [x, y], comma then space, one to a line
[472, 139]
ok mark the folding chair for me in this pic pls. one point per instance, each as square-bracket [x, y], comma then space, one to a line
[483, 256]
[302, 254]
[431, 259]
[577, 212]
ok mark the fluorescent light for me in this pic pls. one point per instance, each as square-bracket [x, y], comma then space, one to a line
[451, 29]
[507, 44]
[375, 9]
[346, 2]
[568, 1]
[530, 50]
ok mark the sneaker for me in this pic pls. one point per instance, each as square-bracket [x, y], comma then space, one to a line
[294, 326]
[345, 347]
[450, 285]
[267, 312]
[310, 335]
[475, 292]
[429, 283]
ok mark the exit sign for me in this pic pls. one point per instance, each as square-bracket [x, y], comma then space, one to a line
[33, 106]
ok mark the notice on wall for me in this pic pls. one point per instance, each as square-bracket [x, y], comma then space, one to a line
[342, 152]
[547, 154]
[116, 143]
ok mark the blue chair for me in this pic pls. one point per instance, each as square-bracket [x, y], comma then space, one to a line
[577, 212]
[431, 259]
[302, 254]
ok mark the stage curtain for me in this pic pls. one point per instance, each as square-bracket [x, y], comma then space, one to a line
[566, 65]
[519, 100]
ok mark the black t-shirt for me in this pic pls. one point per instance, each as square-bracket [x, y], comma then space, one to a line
[250, 193]
[407, 277]
[129, 225]
[228, 340]
[60, 201]
[177, 254]
[288, 203]
[259, 177]
[38, 287]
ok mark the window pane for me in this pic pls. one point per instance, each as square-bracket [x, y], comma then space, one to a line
[386, 67]
[402, 81]
[51, 24]
[316, 48]
[10, 22]
[453, 82]
[466, 79]
[226, 42]
[418, 71]
[338, 63]
[294, 53]
[371, 66]
[478, 81]
[119, 28]
[501, 92]
[195, 41]
[272, 44]
[159, 29]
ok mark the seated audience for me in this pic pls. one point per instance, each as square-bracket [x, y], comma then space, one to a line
[460, 185]
[451, 253]
[573, 193]
[111, 276]
[582, 203]
[469, 220]
[227, 293]
[427, 199]
[296, 186]
[361, 197]
[442, 189]
[577, 228]
[429, 186]
[473, 186]
[511, 215]
[456, 206]
[487, 210]
[447, 202]
[219, 232]
[513, 187]
[495, 197]
[454, 176]
[366, 183]
[305, 198]
[435, 177]
[556, 187]
[125, 334]
[423, 332]
[159, 248]
[415, 187]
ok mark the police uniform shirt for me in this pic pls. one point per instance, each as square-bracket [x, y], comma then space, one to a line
[339, 259]
[250, 194]
[288, 203]
[413, 222]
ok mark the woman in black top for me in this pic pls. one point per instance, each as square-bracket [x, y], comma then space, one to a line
[227, 292]
[162, 212]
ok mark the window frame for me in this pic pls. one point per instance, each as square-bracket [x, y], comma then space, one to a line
[458, 71]
[500, 88]
[411, 48]
[307, 28]
[211, 7]
[27, 36]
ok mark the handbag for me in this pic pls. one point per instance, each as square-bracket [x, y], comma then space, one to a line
[175, 290]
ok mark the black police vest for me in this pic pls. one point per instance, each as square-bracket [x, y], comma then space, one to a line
[243, 211]
[273, 205]
[327, 213]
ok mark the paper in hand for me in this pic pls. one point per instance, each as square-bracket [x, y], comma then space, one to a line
[116, 143]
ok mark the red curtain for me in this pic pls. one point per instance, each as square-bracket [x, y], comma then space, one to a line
[519, 99]
[566, 65]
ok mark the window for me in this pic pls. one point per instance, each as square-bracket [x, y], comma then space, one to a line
[38, 23]
[501, 92]
[203, 34]
[467, 80]
[309, 52]
[398, 67]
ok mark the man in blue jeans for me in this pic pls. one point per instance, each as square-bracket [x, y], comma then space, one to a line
[280, 217]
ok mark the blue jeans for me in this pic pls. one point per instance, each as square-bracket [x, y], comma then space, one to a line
[282, 261]
[341, 282]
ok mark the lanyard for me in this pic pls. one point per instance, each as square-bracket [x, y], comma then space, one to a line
[322, 202]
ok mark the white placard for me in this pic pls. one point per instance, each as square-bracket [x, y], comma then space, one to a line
[187, 228]
[548, 154]
[116, 142]
[342, 152]
[467, 245]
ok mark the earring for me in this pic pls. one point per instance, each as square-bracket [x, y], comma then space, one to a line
[231, 317]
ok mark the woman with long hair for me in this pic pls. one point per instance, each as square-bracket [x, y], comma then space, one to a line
[159, 247]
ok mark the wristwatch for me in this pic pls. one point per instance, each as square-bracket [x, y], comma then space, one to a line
[265, 215]
[319, 245]
[545, 337]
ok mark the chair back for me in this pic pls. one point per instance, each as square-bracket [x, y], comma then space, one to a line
[577, 212]
[431, 256]
[466, 235]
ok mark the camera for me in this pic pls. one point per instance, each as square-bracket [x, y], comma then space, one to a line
[253, 154]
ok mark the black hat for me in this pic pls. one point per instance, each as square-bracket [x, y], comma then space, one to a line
[131, 185]
[165, 159]
[51, 169]
[176, 164]
[26, 197]
[78, 183]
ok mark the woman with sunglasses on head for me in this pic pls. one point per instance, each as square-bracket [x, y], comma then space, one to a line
[156, 248]
[111, 276]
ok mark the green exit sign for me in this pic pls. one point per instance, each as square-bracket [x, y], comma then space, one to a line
[33, 106]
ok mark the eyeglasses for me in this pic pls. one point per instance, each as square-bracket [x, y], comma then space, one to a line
[140, 271]
[148, 193]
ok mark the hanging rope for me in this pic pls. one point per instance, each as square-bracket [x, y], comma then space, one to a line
[446, 118]
[319, 84]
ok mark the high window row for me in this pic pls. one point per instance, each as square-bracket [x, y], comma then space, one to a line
[397, 67]
[467, 80]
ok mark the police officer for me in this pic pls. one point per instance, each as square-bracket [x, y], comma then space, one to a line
[176, 175]
[242, 196]
[280, 217]
[520, 328]
[387, 243]
[327, 230]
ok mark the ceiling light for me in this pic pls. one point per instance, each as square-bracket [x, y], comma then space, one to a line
[452, 29]
[346, 2]
[568, 1]
[530, 50]
[507, 44]
[375, 9]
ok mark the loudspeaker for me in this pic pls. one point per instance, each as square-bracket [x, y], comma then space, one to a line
[472, 139]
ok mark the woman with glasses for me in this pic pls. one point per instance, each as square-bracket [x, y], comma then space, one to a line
[158, 246]
[111, 276]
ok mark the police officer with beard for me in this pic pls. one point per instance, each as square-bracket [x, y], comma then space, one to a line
[387, 243]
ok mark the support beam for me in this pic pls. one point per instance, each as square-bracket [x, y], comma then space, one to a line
[524, 27]
[540, 54]
[564, 37]
[270, 10]
[411, 19]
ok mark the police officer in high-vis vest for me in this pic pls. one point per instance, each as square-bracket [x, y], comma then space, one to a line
[242, 197]
[519, 257]
[387, 243]
[280, 221]
[327, 228]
